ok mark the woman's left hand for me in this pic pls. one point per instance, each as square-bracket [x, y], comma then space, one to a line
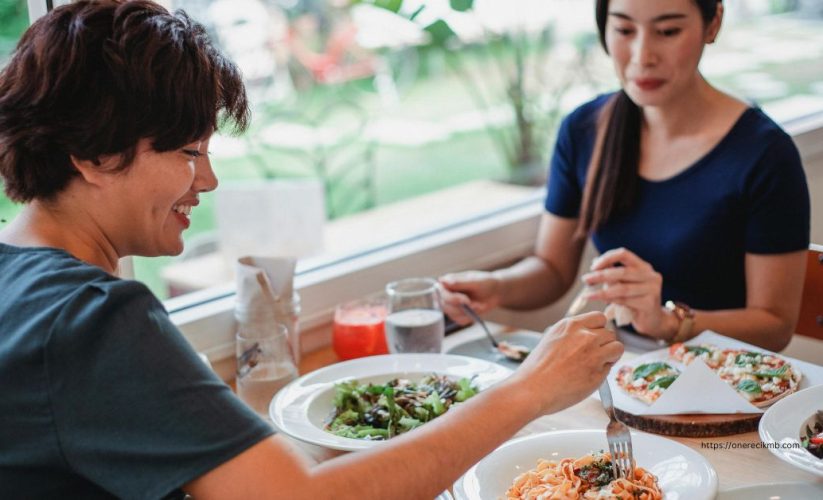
[623, 278]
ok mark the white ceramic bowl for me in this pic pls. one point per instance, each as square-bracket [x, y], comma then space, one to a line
[682, 473]
[780, 428]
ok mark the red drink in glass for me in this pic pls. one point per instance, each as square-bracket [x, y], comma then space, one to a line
[359, 329]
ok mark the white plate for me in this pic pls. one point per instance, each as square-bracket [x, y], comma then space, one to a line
[781, 426]
[776, 491]
[444, 496]
[301, 408]
[682, 473]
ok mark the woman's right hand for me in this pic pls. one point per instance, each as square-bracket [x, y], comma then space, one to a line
[570, 362]
[478, 289]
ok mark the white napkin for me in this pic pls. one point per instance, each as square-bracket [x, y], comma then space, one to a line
[699, 383]
[621, 315]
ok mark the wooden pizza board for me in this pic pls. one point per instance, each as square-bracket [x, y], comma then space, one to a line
[698, 425]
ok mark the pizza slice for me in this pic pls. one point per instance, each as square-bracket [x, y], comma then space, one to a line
[709, 354]
[647, 382]
[760, 377]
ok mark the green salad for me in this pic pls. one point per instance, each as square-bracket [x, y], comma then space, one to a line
[379, 412]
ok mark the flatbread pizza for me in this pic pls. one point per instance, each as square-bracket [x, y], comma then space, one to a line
[761, 378]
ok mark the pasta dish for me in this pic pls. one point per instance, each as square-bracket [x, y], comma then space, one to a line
[587, 477]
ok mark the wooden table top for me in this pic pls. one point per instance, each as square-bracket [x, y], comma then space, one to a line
[735, 467]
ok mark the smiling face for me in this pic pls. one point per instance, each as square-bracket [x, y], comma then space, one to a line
[153, 198]
[656, 46]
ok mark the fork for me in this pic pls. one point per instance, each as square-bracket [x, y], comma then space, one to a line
[477, 319]
[617, 433]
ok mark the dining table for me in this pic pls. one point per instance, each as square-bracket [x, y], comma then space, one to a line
[744, 463]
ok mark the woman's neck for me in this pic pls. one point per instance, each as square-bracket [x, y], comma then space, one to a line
[686, 114]
[48, 224]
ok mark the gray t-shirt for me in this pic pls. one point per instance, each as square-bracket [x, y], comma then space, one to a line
[100, 394]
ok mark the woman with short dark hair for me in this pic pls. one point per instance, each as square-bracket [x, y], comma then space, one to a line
[106, 110]
[692, 196]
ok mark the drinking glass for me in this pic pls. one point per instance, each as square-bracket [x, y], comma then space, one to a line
[415, 322]
[264, 364]
[358, 328]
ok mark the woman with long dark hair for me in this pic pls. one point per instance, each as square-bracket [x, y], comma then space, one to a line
[692, 196]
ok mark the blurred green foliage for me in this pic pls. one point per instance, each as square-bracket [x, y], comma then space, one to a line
[14, 18]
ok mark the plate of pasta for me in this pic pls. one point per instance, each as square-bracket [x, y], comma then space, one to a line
[573, 464]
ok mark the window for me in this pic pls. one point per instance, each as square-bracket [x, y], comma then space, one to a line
[370, 109]
[14, 19]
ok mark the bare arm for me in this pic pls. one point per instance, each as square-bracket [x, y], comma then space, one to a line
[539, 280]
[774, 286]
[423, 463]
[534, 282]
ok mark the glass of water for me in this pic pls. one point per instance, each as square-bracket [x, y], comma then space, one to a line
[264, 364]
[415, 321]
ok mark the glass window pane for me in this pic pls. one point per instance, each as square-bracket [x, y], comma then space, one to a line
[377, 107]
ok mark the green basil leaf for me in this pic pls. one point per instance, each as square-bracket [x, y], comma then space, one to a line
[780, 372]
[746, 358]
[663, 382]
[749, 386]
[698, 350]
[647, 369]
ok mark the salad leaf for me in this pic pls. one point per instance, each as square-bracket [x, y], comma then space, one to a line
[437, 407]
[408, 423]
[377, 412]
[466, 390]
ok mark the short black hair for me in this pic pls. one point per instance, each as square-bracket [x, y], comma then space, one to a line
[92, 78]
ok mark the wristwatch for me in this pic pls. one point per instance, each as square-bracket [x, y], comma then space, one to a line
[685, 318]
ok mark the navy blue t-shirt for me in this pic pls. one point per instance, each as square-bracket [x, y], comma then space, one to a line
[100, 394]
[747, 195]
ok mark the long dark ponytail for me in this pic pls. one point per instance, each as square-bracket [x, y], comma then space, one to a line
[616, 156]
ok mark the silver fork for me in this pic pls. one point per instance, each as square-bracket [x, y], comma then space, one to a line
[617, 433]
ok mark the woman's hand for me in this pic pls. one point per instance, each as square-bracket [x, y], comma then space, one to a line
[570, 362]
[629, 281]
[478, 289]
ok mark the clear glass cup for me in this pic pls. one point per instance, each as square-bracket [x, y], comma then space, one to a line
[264, 363]
[358, 328]
[287, 313]
[415, 322]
